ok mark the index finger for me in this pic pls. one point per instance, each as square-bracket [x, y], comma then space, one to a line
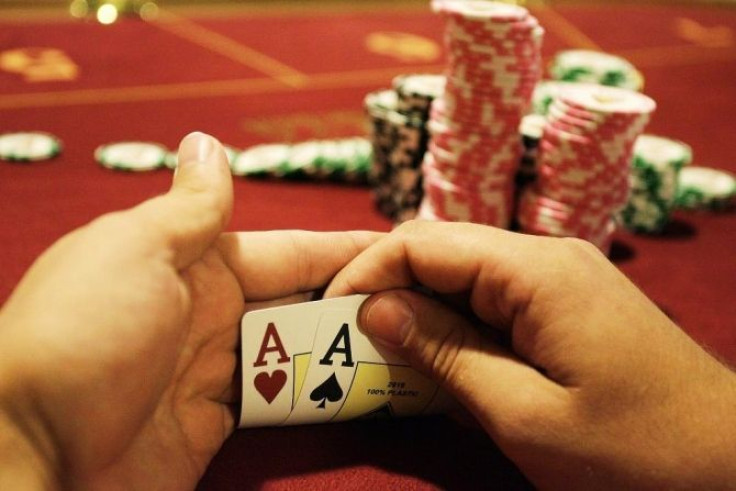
[277, 264]
[448, 258]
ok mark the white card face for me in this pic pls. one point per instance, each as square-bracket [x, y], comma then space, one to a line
[276, 350]
[351, 377]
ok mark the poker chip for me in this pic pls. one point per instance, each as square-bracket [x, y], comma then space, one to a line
[595, 67]
[172, 157]
[531, 130]
[28, 146]
[546, 91]
[132, 156]
[416, 92]
[344, 160]
[655, 168]
[399, 137]
[494, 59]
[378, 107]
[705, 188]
[583, 166]
[262, 160]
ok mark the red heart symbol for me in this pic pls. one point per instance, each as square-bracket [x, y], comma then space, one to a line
[269, 386]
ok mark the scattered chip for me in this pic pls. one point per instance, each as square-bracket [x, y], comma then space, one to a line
[706, 188]
[345, 160]
[131, 156]
[28, 146]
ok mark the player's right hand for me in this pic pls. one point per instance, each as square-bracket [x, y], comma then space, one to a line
[596, 388]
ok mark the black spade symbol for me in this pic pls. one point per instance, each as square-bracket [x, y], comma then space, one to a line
[329, 390]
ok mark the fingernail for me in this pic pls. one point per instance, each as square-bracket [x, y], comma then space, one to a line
[196, 148]
[388, 320]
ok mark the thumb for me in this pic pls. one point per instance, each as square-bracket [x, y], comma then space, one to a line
[491, 382]
[198, 206]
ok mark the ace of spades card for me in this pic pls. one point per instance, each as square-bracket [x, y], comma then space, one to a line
[276, 349]
[351, 377]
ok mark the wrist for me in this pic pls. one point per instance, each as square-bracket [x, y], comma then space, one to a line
[27, 449]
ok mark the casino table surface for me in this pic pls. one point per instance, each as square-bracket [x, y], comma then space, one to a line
[254, 73]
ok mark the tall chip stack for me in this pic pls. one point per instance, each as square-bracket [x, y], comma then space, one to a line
[494, 64]
[415, 93]
[398, 131]
[380, 106]
[583, 167]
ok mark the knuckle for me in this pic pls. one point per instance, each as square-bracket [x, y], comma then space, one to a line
[580, 249]
[443, 357]
[409, 227]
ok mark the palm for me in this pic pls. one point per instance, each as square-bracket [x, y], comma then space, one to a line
[188, 423]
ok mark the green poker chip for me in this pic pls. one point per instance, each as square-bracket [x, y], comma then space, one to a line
[595, 67]
[262, 160]
[344, 160]
[545, 93]
[31, 146]
[132, 156]
[705, 188]
[653, 178]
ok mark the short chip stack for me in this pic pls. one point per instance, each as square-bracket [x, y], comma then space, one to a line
[583, 167]
[655, 168]
[493, 66]
[342, 160]
[706, 188]
[579, 65]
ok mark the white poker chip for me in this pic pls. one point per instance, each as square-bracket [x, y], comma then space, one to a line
[425, 85]
[596, 67]
[132, 156]
[703, 187]
[604, 99]
[661, 152]
[260, 160]
[28, 146]
[532, 126]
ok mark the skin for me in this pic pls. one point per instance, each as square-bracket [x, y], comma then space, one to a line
[595, 389]
[142, 399]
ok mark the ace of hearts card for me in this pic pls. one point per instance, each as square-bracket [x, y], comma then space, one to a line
[309, 363]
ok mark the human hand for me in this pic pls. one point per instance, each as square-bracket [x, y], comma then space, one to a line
[118, 347]
[598, 388]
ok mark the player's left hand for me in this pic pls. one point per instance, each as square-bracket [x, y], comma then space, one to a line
[118, 348]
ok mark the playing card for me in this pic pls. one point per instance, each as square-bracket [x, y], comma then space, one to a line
[351, 377]
[276, 348]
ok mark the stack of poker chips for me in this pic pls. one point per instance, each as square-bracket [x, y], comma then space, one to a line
[493, 67]
[380, 106]
[531, 130]
[583, 167]
[398, 130]
[579, 65]
[706, 188]
[341, 160]
[655, 169]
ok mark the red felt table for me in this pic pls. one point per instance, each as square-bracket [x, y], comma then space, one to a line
[251, 74]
